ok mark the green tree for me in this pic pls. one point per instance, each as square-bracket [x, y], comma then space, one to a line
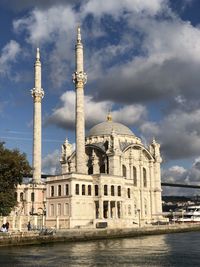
[13, 167]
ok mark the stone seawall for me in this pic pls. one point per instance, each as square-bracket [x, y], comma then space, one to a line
[31, 238]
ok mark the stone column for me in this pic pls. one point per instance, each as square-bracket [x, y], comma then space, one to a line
[80, 78]
[37, 94]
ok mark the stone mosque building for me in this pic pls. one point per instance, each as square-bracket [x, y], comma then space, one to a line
[111, 180]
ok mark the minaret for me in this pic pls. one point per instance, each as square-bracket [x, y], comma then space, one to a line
[80, 78]
[37, 94]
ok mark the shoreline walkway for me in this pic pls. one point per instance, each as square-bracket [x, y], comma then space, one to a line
[71, 235]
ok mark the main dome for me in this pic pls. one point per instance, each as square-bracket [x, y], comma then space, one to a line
[106, 128]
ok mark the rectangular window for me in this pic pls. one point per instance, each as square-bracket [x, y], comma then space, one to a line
[59, 190]
[128, 192]
[105, 190]
[52, 209]
[52, 191]
[112, 190]
[66, 189]
[59, 209]
[32, 196]
[119, 190]
[77, 189]
[66, 209]
[89, 190]
[96, 189]
[83, 189]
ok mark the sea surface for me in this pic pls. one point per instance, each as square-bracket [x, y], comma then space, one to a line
[179, 250]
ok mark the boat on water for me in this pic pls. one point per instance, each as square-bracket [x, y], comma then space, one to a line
[190, 214]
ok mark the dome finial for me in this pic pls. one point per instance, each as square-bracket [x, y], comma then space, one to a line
[109, 116]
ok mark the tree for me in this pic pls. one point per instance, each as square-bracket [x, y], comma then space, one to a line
[13, 167]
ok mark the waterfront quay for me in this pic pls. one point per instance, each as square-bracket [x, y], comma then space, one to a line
[70, 235]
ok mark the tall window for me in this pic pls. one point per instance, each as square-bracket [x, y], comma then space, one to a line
[21, 196]
[83, 189]
[52, 191]
[59, 190]
[59, 209]
[16, 196]
[134, 176]
[144, 177]
[32, 196]
[105, 190]
[52, 209]
[77, 189]
[90, 170]
[124, 170]
[119, 190]
[128, 192]
[66, 189]
[103, 168]
[96, 189]
[89, 190]
[112, 190]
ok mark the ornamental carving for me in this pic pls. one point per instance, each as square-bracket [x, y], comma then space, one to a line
[37, 94]
[79, 77]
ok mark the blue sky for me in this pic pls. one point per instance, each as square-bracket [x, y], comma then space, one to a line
[143, 62]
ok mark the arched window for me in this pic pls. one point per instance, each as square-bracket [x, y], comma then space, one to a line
[144, 177]
[134, 176]
[119, 191]
[59, 190]
[77, 189]
[16, 196]
[124, 170]
[103, 168]
[66, 189]
[52, 191]
[89, 190]
[32, 196]
[21, 196]
[83, 189]
[112, 190]
[96, 189]
[105, 190]
[128, 192]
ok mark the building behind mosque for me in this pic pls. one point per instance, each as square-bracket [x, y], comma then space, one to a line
[111, 180]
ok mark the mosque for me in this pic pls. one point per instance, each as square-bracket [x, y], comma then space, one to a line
[111, 179]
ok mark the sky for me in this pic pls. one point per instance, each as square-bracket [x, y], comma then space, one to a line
[142, 59]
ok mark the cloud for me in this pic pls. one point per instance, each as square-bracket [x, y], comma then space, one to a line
[117, 8]
[27, 4]
[8, 56]
[51, 164]
[179, 175]
[95, 112]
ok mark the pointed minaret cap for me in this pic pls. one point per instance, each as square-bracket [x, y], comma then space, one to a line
[38, 54]
[109, 117]
[79, 34]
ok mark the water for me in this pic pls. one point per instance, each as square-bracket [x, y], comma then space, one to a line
[179, 250]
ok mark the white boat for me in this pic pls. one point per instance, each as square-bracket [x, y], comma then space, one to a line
[190, 214]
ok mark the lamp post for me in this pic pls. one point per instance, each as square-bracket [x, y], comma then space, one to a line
[139, 219]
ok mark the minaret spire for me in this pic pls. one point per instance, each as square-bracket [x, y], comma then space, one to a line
[37, 94]
[80, 79]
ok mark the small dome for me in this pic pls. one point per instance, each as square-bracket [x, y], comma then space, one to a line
[106, 128]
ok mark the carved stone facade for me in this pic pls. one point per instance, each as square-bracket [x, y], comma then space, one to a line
[122, 187]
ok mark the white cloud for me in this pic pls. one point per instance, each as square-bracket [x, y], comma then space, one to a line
[95, 112]
[51, 164]
[116, 8]
[8, 56]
